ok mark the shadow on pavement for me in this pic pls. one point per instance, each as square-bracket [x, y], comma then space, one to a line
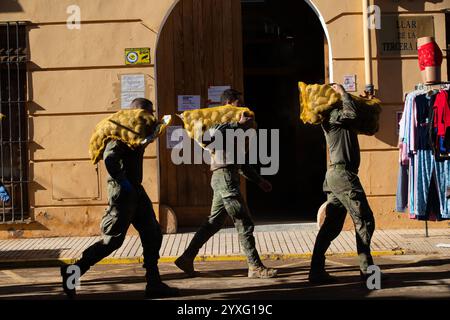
[348, 287]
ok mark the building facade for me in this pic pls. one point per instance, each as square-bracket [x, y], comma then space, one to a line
[60, 78]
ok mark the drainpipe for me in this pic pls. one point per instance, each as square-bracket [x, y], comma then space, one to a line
[369, 88]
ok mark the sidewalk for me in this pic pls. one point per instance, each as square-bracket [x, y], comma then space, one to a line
[279, 243]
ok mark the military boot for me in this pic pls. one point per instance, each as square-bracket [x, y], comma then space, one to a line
[155, 288]
[70, 292]
[261, 272]
[186, 264]
[160, 290]
[321, 277]
[365, 275]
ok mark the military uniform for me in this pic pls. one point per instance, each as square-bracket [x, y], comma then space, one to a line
[228, 201]
[344, 190]
[126, 207]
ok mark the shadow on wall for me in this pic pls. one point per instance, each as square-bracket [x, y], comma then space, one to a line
[10, 6]
[414, 5]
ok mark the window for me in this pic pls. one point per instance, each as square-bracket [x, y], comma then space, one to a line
[13, 127]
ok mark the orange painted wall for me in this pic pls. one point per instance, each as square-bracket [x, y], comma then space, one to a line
[74, 82]
[393, 77]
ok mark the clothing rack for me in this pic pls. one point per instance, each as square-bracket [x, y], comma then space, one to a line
[431, 86]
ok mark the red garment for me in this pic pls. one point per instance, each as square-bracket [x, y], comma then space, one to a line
[429, 55]
[441, 112]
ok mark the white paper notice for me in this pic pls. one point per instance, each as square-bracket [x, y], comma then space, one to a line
[128, 96]
[132, 82]
[350, 83]
[174, 137]
[188, 102]
[131, 86]
[215, 92]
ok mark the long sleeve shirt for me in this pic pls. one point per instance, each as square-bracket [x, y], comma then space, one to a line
[122, 163]
[222, 158]
[342, 140]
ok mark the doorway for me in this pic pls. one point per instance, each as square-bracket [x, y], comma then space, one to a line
[260, 47]
[200, 45]
[283, 43]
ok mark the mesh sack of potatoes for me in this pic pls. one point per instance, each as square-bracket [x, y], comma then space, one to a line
[316, 100]
[132, 127]
[368, 115]
[198, 121]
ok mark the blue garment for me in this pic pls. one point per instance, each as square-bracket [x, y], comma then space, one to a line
[4, 196]
[420, 172]
[406, 123]
[405, 180]
[402, 189]
[412, 184]
[442, 147]
[443, 181]
[431, 171]
[425, 169]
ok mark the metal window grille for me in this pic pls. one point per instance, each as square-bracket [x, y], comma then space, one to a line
[13, 128]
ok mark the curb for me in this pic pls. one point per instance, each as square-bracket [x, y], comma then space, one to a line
[55, 262]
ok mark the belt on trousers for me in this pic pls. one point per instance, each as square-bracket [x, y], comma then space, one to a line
[231, 168]
[342, 166]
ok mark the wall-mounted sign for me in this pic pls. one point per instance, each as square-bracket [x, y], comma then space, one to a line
[398, 34]
[214, 94]
[132, 86]
[126, 97]
[186, 102]
[132, 82]
[349, 83]
[137, 56]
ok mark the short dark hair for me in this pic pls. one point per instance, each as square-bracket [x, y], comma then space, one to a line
[230, 95]
[142, 103]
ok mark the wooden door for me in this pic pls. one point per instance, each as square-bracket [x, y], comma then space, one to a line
[200, 45]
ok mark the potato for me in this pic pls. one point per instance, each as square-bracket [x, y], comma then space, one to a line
[214, 116]
[317, 99]
[129, 126]
[197, 121]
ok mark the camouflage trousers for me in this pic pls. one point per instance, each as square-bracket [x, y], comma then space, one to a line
[227, 201]
[125, 208]
[345, 194]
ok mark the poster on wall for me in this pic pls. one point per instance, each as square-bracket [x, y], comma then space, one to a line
[131, 86]
[398, 34]
[174, 137]
[132, 82]
[187, 102]
[214, 95]
[128, 96]
[349, 83]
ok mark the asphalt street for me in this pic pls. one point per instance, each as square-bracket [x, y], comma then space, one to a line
[409, 277]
